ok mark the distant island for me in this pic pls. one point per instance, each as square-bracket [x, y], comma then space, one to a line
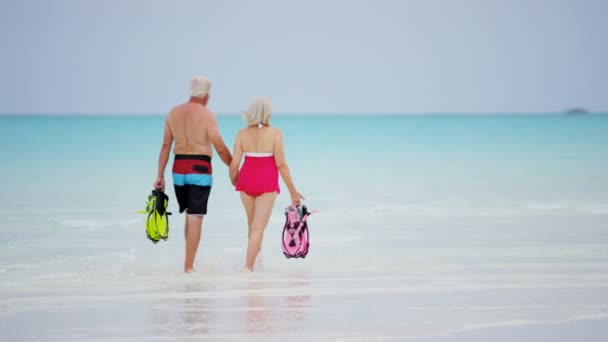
[577, 111]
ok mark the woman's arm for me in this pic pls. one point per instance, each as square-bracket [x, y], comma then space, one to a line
[237, 154]
[279, 156]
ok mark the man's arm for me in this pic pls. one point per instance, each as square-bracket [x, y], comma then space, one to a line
[216, 139]
[163, 157]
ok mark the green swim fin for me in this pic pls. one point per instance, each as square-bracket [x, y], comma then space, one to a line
[157, 221]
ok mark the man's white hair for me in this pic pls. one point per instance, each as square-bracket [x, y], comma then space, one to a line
[199, 87]
[259, 111]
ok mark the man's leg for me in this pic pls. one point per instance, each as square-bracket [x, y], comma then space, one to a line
[193, 237]
[197, 208]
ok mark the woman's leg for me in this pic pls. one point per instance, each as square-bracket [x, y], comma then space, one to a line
[262, 209]
[249, 205]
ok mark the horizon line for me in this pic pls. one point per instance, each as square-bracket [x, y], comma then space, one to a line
[415, 113]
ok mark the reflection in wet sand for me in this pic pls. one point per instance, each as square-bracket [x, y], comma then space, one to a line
[277, 307]
[194, 310]
[258, 311]
[232, 305]
[298, 302]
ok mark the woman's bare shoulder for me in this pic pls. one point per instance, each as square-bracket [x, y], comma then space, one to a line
[277, 131]
[241, 132]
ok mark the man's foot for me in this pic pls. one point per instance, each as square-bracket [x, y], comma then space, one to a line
[188, 270]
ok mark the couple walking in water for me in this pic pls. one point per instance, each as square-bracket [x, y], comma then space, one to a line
[193, 129]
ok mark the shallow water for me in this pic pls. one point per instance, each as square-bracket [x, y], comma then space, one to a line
[427, 225]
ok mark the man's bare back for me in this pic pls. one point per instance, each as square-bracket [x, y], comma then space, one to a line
[189, 124]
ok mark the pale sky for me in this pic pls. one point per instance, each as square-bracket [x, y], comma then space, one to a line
[133, 56]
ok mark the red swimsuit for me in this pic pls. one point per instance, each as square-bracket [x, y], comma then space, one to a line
[258, 175]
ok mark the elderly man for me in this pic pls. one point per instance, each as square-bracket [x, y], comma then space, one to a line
[193, 128]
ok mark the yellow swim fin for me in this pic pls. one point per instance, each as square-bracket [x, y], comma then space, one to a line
[157, 220]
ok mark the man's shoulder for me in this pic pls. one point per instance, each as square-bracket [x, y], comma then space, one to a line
[203, 110]
[194, 108]
[208, 111]
[176, 108]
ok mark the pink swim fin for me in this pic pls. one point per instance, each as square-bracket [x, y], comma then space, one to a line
[296, 238]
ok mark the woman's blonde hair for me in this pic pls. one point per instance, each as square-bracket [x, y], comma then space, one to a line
[258, 112]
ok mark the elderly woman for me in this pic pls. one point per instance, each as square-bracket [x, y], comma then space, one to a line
[258, 179]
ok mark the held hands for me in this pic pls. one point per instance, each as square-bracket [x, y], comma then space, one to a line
[296, 198]
[159, 183]
[234, 180]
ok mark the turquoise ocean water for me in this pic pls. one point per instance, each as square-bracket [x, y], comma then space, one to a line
[427, 225]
